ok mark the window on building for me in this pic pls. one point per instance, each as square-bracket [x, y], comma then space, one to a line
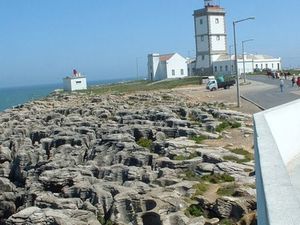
[173, 72]
[226, 68]
[202, 38]
[217, 20]
[256, 66]
[201, 21]
[218, 37]
[78, 82]
[231, 67]
[272, 65]
[266, 66]
[221, 68]
[182, 72]
[203, 57]
[261, 66]
[216, 69]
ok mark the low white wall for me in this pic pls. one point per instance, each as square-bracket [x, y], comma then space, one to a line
[276, 134]
[74, 83]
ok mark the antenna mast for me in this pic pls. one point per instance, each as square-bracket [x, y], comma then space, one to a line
[208, 3]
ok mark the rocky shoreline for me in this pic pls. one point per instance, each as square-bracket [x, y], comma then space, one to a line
[140, 159]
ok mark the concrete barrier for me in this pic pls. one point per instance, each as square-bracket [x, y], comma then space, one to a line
[277, 143]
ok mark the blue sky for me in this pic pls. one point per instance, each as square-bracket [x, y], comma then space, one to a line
[42, 41]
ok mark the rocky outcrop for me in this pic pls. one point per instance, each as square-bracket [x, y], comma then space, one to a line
[132, 159]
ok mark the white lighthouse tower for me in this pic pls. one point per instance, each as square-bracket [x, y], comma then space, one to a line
[210, 35]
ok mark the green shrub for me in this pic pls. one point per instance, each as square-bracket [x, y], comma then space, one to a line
[235, 124]
[194, 210]
[227, 222]
[201, 188]
[182, 157]
[191, 176]
[248, 156]
[218, 178]
[228, 124]
[198, 139]
[232, 158]
[222, 126]
[227, 190]
[103, 222]
[144, 142]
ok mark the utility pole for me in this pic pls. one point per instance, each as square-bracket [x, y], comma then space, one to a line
[244, 67]
[236, 60]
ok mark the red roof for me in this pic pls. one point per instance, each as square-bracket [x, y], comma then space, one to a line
[166, 57]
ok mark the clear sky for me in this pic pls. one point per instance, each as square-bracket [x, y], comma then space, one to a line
[41, 41]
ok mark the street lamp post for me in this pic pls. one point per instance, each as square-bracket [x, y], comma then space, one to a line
[236, 60]
[244, 68]
[230, 46]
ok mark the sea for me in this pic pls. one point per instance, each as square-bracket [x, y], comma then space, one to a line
[13, 96]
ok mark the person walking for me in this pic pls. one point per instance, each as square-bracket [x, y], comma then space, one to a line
[298, 81]
[281, 84]
[293, 80]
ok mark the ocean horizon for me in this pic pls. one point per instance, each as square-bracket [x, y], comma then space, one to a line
[13, 96]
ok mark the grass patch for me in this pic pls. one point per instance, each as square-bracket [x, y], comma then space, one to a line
[227, 222]
[248, 156]
[200, 188]
[218, 178]
[183, 157]
[227, 190]
[194, 210]
[235, 124]
[212, 178]
[233, 158]
[222, 126]
[144, 142]
[103, 222]
[228, 124]
[134, 86]
[248, 170]
[198, 139]
[191, 176]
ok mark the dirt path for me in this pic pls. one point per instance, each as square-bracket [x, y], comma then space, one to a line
[211, 194]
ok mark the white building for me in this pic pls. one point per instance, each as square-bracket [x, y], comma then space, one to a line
[226, 64]
[74, 82]
[211, 46]
[166, 66]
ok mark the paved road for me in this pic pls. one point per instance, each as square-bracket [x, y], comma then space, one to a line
[271, 95]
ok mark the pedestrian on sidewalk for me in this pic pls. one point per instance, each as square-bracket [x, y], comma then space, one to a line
[293, 80]
[298, 82]
[281, 84]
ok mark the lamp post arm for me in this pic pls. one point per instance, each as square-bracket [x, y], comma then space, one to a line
[249, 18]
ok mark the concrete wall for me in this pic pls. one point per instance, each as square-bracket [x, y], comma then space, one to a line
[276, 134]
[177, 63]
[268, 63]
[202, 45]
[201, 28]
[74, 83]
[218, 43]
[217, 28]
